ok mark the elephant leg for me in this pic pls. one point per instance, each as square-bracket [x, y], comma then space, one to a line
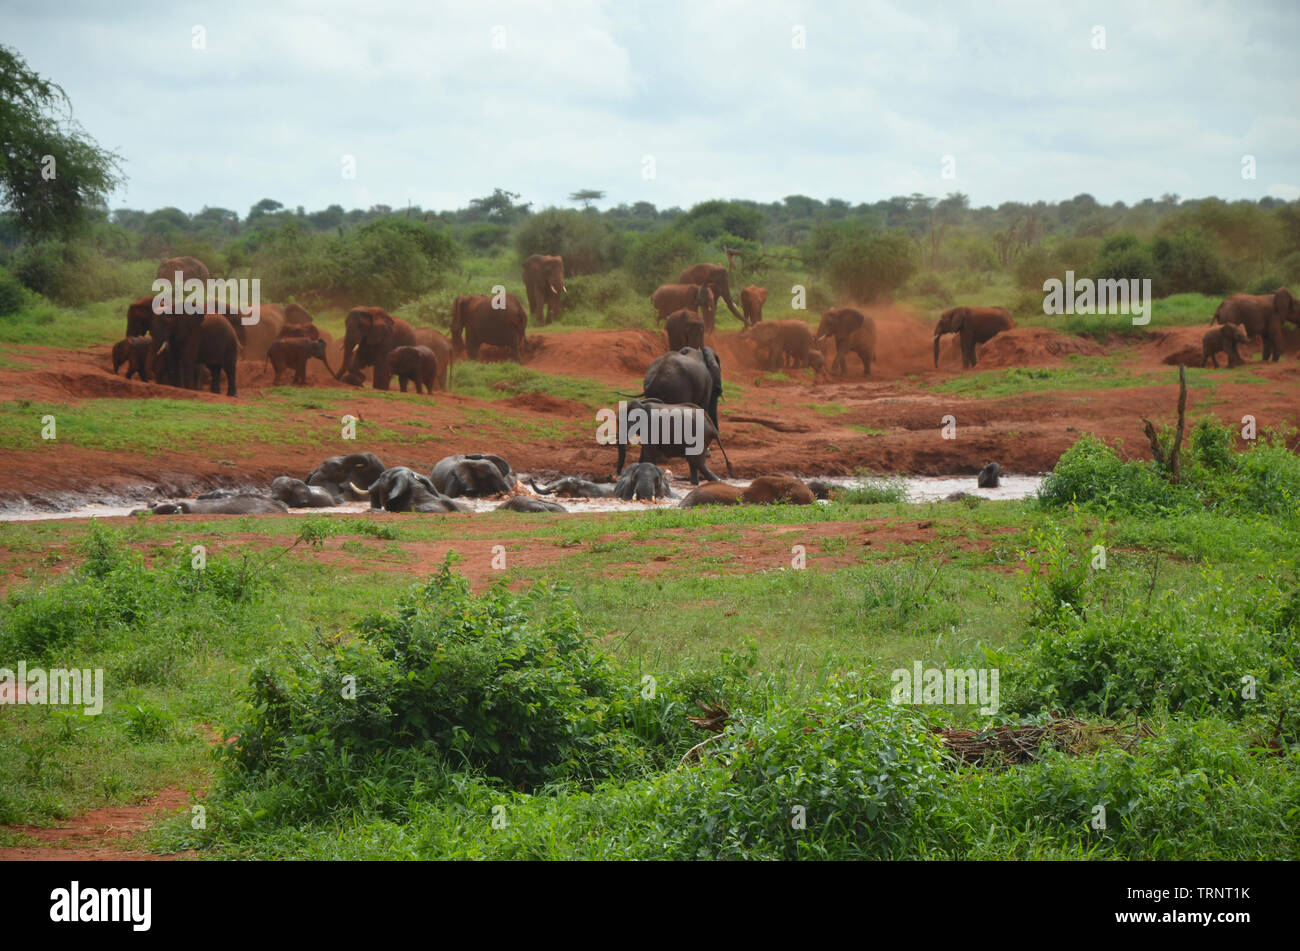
[215, 370]
[401, 381]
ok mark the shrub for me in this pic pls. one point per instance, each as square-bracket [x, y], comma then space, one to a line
[1186, 262]
[586, 241]
[12, 294]
[863, 267]
[659, 257]
[1091, 472]
[1123, 257]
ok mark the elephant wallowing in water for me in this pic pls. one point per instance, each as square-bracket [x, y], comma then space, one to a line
[474, 474]
[401, 489]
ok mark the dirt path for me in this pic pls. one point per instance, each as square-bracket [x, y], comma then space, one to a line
[101, 835]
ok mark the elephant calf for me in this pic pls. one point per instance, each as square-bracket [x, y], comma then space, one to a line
[1225, 338]
[988, 477]
[641, 481]
[571, 487]
[416, 364]
[474, 474]
[349, 476]
[293, 353]
[404, 490]
[299, 495]
[526, 503]
[768, 490]
[711, 493]
[136, 353]
[227, 505]
[685, 328]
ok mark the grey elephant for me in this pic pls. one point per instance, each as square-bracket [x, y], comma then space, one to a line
[988, 477]
[402, 489]
[299, 495]
[226, 505]
[644, 480]
[348, 477]
[668, 439]
[473, 474]
[571, 487]
[526, 503]
[688, 375]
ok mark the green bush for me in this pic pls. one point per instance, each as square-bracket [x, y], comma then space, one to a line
[586, 242]
[659, 257]
[1186, 262]
[12, 294]
[1124, 257]
[1091, 472]
[863, 267]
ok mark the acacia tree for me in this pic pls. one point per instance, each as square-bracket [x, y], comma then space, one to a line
[53, 176]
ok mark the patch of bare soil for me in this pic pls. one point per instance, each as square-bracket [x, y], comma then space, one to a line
[102, 835]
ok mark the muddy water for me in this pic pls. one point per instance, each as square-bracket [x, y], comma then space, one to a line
[919, 489]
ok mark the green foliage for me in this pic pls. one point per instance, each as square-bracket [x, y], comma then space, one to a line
[73, 273]
[53, 176]
[659, 257]
[872, 491]
[711, 220]
[865, 266]
[1186, 262]
[12, 294]
[1123, 257]
[586, 242]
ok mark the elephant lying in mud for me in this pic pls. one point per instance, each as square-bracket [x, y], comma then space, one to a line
[474, 474]
[224, 505]
[299, 495]
[571, 487]
[711, 493]
[767, 490]
[988, 477]
[526, 503]
[349, 477]
[401, 489]
[644, 480]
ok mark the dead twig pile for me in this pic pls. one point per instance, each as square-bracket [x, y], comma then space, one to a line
[1010, 745]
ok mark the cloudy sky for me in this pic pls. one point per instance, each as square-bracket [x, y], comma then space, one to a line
[440, 102]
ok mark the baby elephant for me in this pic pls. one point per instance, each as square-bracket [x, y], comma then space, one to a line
[134, 352]
[294, 352]
[988, 477]
[1224, 338]
[418, 364]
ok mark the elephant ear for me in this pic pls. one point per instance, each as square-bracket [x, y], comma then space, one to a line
[959, 315]
[398, 483]
[1283, 302]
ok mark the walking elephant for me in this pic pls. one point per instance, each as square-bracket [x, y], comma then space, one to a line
[670, 298]
[975, 325]
[685, 329]
[752, 300]
[688, 375]
[714, 275]
[348, 477]
[543, 285]
[644, 480]
[1262, 316]
[672, 431]
[442, 351]
[474, 316]
[414, 364]
[371, 335]
[473, 474]
[854, 332]
[1226, 339]
[293, 353]
[401, 489]
[184, 342]
[777, 342]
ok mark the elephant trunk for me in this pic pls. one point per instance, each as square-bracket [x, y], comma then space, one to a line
[539, 489]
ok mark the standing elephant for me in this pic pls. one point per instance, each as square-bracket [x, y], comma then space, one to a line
[1262, 316]
[371, 335]
[779, 341]
[349, 476]
[442, 350]
[854, 332]
[472, 473]
[474, 316]
[414, 364]
[190, 269]
[543, 283]
[714, 275]
[975, 325]
[688, 375]
[184, 342]
[293, 353]
[685, 329]
[752, 300]
[1225, 338]
[297, 314]
[670, 298]
[137, 354]
[674, 430]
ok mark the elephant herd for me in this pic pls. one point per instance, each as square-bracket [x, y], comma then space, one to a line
[359, 477]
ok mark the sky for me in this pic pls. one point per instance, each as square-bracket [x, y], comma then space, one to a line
[435, 103]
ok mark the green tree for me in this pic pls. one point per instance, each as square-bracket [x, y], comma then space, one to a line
[53, 176]
[866, 266]
[586, 196]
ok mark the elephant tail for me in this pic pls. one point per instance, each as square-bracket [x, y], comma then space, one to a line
[731, 473]
[1217, 311]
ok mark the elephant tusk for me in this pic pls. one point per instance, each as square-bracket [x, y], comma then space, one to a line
[163, 347]
[356, 488]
